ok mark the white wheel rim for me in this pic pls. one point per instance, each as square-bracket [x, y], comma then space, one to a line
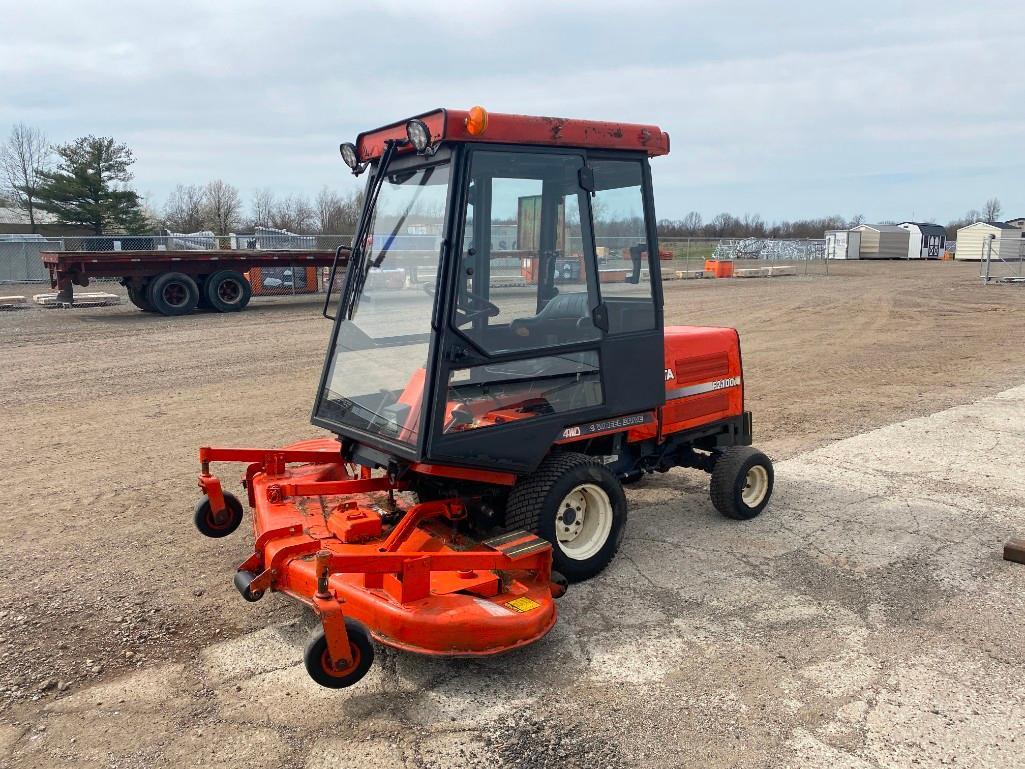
[756, 486]
[583, 521]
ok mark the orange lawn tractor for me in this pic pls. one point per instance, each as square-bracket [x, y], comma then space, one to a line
[484, 426]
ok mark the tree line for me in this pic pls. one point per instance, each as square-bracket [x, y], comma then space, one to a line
[87, 183]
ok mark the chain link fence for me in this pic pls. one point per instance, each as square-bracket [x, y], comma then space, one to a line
[1003, 262]
[19, 258]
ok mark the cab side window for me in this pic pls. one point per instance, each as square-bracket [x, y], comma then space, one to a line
[621, 243]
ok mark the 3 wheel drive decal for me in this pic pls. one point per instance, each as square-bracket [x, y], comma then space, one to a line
[607, 425]
[704, 387]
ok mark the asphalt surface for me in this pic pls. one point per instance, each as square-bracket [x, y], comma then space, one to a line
[866, 619]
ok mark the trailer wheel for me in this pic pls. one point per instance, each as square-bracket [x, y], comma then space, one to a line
[137, 296]
[222, 525]
[227, 291]
[741, 482]
[318, 661]
[173, 293]
[578, 505]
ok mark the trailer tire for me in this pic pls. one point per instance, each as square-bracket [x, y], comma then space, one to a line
[318, 661]
[173, 293]
[741, 482]
[577, 498]
[137, 296]
[227, 291]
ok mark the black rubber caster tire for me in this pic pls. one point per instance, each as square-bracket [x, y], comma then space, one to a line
[559, 584]
[318, 663]
[741, 482]
[211, 526]
[173, 293]
[227, 291]
[536, 504]
[243, 579]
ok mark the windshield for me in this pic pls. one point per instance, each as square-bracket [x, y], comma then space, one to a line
[376, 369]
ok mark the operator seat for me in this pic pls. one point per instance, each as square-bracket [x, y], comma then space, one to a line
[566, 318]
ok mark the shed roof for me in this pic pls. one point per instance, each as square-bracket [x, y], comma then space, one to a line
[881, 227]
[12, 215]
[928, 228]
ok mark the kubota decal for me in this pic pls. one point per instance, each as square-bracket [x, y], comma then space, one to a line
[705, 387]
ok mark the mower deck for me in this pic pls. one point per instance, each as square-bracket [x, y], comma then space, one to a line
[335, 538]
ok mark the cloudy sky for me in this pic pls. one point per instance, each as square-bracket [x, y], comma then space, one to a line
[787, 109]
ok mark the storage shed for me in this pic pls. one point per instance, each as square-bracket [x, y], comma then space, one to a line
[971, 241]
[926, 241]
[883, 241]
[842, 244]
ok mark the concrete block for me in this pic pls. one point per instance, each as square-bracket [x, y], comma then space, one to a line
[92, 299]
[782, 269]
[750, 272]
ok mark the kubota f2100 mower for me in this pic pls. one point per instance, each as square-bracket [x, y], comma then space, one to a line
[488, 407]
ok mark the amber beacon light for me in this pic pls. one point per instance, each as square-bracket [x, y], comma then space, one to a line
[477, 121]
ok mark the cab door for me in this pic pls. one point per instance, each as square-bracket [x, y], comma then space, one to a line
[541, 334]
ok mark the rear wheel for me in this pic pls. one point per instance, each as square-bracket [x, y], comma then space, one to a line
[227, 291]
[741, 482]
[173, 293]
[578, 505]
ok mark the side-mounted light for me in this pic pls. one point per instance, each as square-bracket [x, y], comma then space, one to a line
[419, 135]
[351, 157]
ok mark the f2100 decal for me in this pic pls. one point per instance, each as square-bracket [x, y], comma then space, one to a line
[608, 425]
[704, 387]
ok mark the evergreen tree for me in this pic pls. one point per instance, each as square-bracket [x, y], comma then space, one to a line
[89, 187]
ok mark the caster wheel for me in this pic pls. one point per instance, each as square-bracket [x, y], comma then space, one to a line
[211, 525]
[318, 661]
[243, 579]
[559, 584]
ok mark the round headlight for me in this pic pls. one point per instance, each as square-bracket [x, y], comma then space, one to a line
[418, 134]
[348, 150]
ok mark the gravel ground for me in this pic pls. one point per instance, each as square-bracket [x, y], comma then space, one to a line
[104, 409]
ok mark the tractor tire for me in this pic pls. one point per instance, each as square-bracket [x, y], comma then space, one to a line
[318, 661]
[173, 293]
[226, 291]
[137, 296]
[210, 525]
[741, 482]
[576, 503]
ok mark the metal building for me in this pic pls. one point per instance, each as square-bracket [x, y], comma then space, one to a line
[972, 241]
[842, 244]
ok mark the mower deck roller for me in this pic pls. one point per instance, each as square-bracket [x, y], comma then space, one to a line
[334, 537]
[514, 410]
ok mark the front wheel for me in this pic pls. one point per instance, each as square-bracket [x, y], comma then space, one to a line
[217, 525]
[578, 505]
[741, 482]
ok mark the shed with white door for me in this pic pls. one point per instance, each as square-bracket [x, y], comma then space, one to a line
[926, 241]
[972, 241]
[842, 244]
[883, 241]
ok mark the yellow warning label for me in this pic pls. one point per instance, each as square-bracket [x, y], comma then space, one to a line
[523, 604]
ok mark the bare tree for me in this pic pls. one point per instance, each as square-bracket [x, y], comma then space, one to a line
[991, 211]
[294, 214]
[692, 222]
[263, 207]
[23, 159]
[185, 209]
[222, 206]
[855, 220]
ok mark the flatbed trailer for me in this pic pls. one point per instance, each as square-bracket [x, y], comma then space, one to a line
[177, 282]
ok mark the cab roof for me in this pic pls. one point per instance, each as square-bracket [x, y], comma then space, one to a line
[449, 125]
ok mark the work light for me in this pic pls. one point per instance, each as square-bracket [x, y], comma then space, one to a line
[348, 150]
[419, 135]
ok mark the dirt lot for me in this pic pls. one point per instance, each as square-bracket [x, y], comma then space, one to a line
[103, 410]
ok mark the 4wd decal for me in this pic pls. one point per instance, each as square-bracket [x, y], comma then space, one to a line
[706, 387]
[607, 426]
